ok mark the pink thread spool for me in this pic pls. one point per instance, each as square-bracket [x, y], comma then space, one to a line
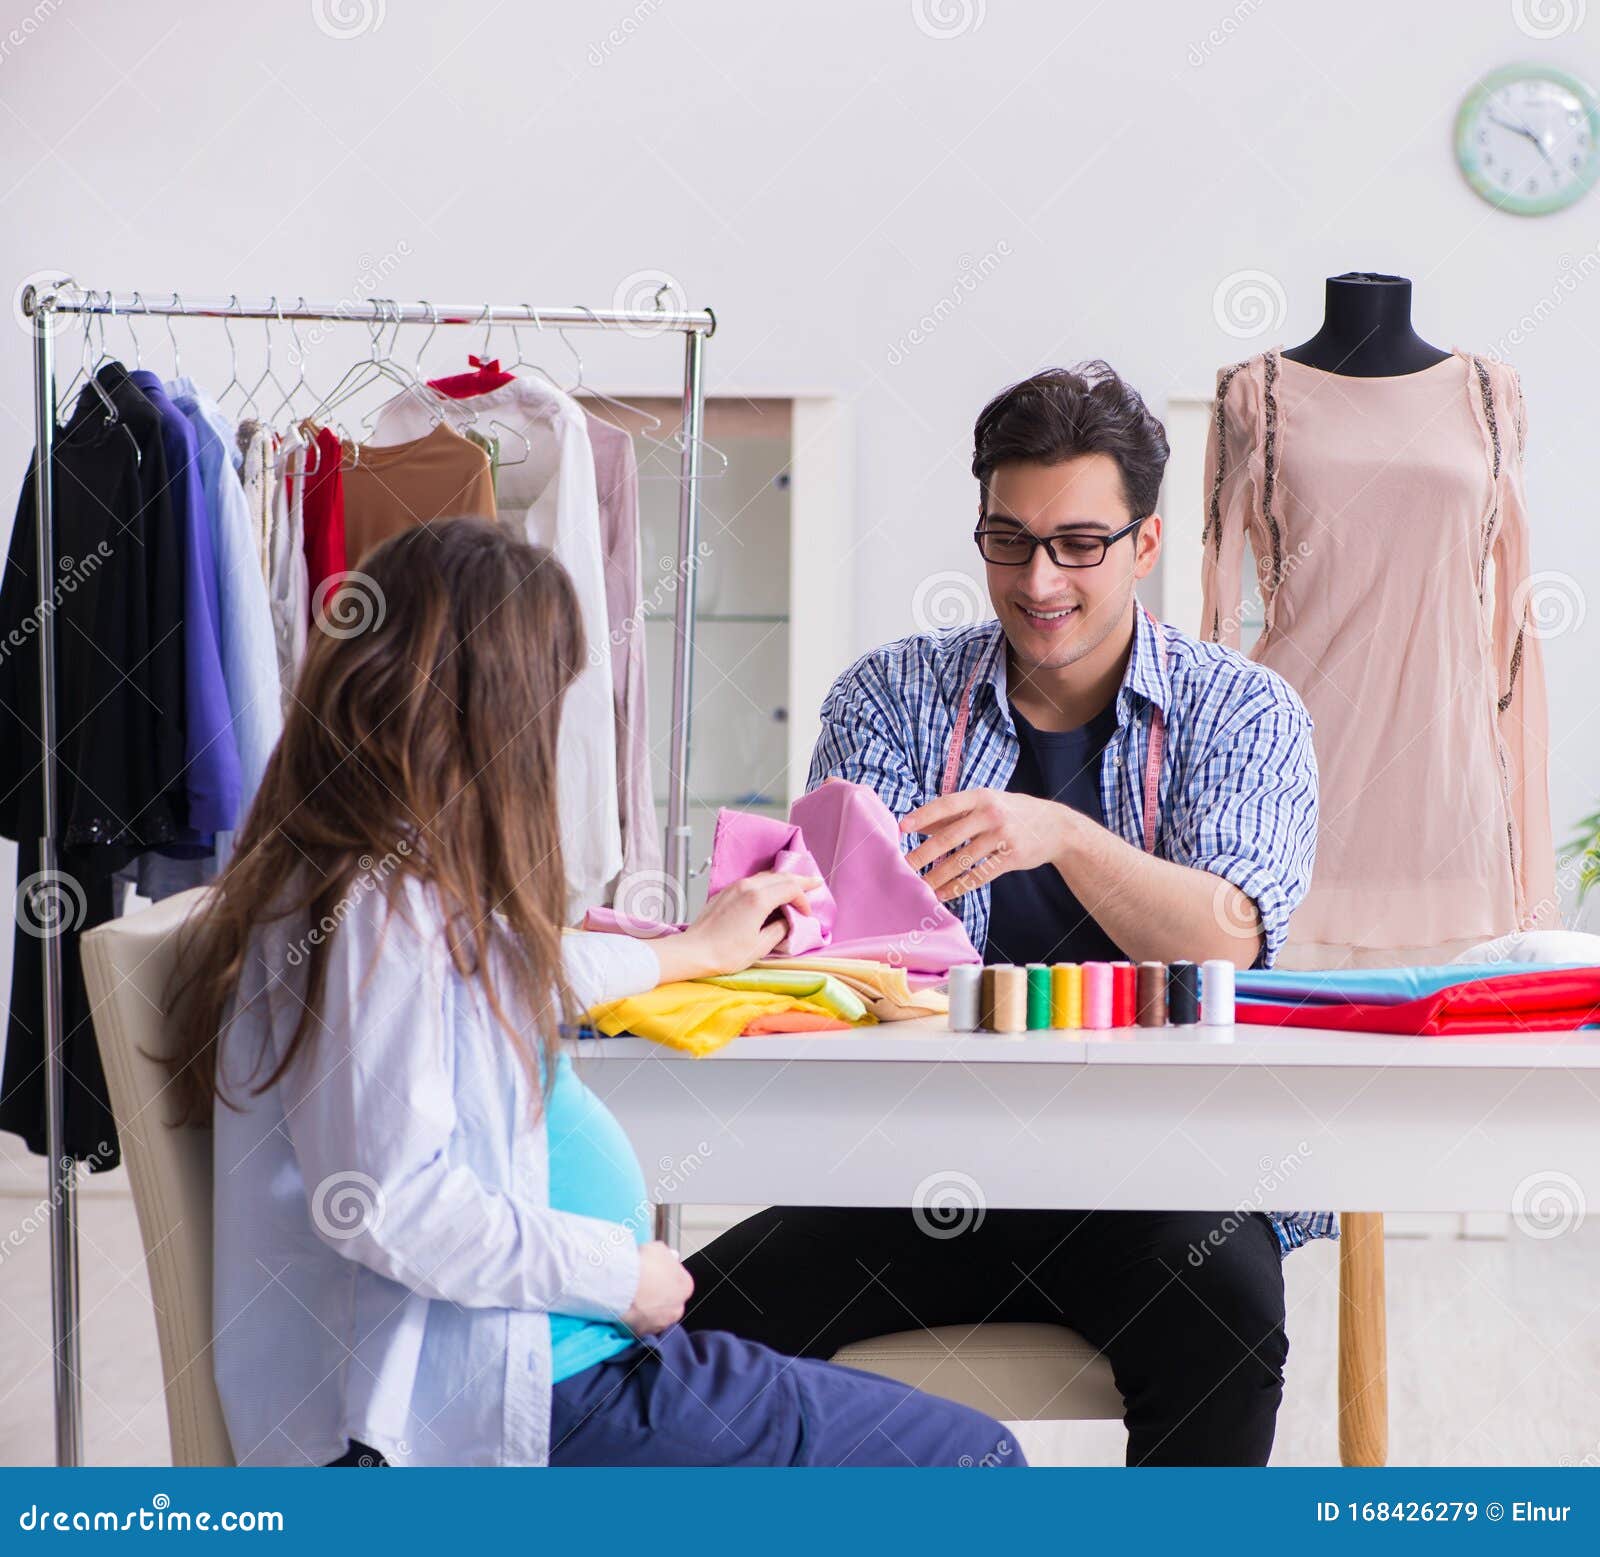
[1097, 983]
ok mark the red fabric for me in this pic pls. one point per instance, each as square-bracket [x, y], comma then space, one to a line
[795, 1022]
[1557, 1000]
[460, 386]
[324, 513]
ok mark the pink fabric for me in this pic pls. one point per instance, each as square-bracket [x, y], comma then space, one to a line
[872, 904]
[746, 843]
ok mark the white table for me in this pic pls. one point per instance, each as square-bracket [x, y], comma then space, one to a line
[1263, 1118]
[1195, 1118]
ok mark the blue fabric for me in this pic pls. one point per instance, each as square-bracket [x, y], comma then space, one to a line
[1376, 986]
[706, 1397]
[1034, 916]
[1238, 793]
[211, 775]
[593, 1172]
[249, 659]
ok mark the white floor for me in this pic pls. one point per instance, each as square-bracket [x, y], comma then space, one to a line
[1494, 1350]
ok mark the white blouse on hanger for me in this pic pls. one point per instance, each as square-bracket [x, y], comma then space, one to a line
[551, 495]
[288, 586]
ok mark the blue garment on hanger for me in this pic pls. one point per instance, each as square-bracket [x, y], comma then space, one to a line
[249, 660]
[211, 774]
[1374, 986]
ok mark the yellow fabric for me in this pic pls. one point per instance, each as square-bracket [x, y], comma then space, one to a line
[886, 990]
[690, 1015]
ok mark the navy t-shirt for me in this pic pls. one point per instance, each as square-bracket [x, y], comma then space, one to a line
[1033, 915]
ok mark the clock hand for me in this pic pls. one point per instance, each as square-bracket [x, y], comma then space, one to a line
[1525, 132]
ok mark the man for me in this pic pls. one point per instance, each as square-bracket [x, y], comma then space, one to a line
[1040, 845]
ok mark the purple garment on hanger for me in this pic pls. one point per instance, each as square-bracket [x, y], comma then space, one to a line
[872, 904]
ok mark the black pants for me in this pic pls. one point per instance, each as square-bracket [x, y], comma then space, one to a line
[358, 1454]
[1193, 1329]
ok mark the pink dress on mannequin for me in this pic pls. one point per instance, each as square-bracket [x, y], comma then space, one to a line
[1390, 533]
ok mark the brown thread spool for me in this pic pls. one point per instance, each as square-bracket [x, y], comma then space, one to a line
[1010, 999]
[986, 999]
[1152, 994]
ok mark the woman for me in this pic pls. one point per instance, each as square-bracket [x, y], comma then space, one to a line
[426, 1248]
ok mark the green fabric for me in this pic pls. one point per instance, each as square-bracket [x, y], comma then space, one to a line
[837, 999]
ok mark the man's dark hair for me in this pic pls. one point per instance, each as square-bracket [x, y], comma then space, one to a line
[1064, 412]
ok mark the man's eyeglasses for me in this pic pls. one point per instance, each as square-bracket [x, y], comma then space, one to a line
[1013, 548]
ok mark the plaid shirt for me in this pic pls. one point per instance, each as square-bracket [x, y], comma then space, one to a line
[1238, 782]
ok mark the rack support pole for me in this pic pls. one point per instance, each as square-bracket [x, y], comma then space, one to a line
[694, 401]
[47, 917]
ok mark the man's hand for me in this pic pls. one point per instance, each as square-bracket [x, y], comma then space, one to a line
[975, 835]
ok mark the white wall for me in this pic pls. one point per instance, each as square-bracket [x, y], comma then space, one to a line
[823, 175]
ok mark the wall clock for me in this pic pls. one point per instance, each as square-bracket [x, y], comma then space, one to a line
[1528, 139]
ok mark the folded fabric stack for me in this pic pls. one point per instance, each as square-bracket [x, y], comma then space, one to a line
[701, 1015]
[1435, 1001]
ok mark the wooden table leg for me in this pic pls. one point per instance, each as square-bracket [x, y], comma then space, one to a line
[1363, 1342]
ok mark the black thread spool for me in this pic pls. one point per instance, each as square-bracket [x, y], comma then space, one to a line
[1183, 994]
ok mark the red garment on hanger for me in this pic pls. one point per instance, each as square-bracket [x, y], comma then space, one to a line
[1556, 1000]
[486, 376]
[324, 514]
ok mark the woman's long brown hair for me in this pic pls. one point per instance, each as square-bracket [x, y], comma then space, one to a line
[420, 742]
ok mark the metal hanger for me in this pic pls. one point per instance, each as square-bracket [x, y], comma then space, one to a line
[233, 356]
[113, 417]
[313, 448]
[378, 364]
[138, 356]
[675, 442]
[268, 373]
[84, 369]
[177, 366]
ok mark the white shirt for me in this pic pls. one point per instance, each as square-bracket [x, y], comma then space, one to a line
[551, 497]
[385, 1255]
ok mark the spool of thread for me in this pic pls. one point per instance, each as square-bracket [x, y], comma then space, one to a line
[1152, 994]
[1038, 995]
[1066, 995]
[1124, 994]
[966, 997]
[1183, 994]
[1010, 998]
[986, 999]
[1097, 995]
[1216, 993]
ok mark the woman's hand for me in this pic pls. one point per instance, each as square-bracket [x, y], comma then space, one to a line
[664, 1290]
[733, 930]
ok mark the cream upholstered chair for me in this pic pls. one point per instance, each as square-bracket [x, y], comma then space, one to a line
[1015, 1372]
[127, 967]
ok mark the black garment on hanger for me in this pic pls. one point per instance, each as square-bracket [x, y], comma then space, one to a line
[117, 617]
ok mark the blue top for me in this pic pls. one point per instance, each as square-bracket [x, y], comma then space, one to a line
[211, 772]
[1034, 916]
[249, 658]
[593, 1172]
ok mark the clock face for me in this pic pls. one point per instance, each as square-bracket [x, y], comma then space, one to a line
[1528, 139]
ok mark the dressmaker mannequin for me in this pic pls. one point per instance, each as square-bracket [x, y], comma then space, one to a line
[1366, 333]
[1366, 330]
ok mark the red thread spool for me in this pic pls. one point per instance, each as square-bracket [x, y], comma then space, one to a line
[1124, 994]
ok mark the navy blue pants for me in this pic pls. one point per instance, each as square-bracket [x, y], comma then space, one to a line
[706, 1397]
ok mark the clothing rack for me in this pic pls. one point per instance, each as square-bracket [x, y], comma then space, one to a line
[40, 303]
